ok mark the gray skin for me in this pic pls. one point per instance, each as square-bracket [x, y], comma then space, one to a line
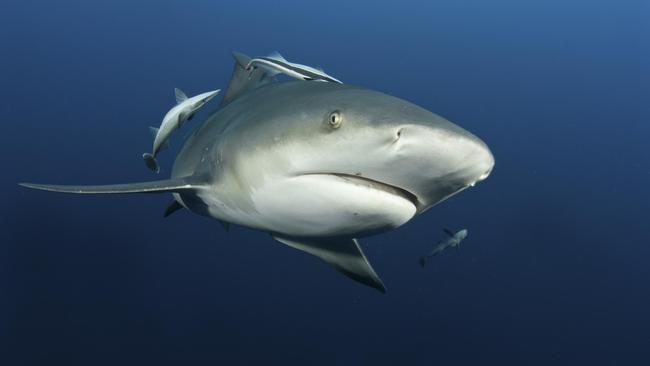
[316, 165]
[452, 242]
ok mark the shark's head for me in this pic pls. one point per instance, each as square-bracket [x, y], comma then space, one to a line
[461, 235]
[203, 98]
[370, 138]
[327, 159]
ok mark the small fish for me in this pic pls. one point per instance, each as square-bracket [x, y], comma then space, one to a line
[275, 64]
[453, 241]
[182, 112]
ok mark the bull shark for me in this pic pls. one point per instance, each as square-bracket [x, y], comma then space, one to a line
[315, 165]
[275, 64]
[182, 112]
[452, 241]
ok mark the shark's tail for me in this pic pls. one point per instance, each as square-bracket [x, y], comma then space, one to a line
[423, 261]
[150, 162]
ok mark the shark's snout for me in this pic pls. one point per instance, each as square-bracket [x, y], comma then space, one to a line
[481, 160]
[487, 161]
[441, 159]
[448, 149]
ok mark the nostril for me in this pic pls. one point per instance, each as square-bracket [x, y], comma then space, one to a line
[398, 134]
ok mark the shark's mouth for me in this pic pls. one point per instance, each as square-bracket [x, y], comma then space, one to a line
[380, 186]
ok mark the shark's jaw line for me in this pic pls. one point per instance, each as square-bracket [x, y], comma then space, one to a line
[373, 184]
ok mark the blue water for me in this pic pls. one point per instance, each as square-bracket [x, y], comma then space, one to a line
[556, 267]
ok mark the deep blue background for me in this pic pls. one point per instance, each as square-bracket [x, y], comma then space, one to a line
[556, 268]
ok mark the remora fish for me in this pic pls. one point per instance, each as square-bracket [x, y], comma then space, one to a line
[182, 112]
[275, 63]
[316, 165]
[453, 241]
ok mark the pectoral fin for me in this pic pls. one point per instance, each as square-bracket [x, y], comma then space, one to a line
[169, 185]
[172, 207]
[225, 225]
[448, 232]
[345, 255]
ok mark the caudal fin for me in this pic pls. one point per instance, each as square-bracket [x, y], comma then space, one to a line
[150, 162]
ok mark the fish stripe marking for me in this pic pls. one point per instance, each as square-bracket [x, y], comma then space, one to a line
[304, 72]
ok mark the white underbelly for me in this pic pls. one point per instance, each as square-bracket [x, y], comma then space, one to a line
[320, 205]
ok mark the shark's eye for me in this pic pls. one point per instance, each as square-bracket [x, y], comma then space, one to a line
[334, 119]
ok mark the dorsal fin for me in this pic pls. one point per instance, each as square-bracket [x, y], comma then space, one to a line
[180, 96]
[154, 131]
[243, 80]
[275, 55]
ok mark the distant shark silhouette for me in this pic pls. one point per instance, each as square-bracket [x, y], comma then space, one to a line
[182, 112]
[316, 165]
[452, 241]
